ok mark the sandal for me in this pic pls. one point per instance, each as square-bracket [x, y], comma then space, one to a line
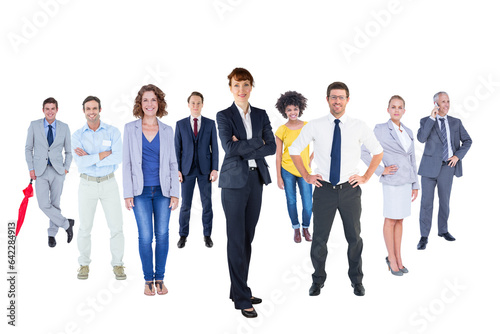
[161, 288]
[149, 290]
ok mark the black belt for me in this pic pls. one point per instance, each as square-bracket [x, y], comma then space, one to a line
[338, 186]
[253, 168]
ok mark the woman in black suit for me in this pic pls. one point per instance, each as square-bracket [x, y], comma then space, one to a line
[247, 137]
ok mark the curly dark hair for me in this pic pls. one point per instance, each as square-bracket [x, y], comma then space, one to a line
[291, 98]
[162, 104]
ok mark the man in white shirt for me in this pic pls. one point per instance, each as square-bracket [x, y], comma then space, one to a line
[337, 150]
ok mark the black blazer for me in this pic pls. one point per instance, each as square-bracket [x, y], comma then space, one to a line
[208, 149]
[234, 169]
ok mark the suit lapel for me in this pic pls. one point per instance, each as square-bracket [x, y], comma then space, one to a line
[452, 125]
[58, 132]
[238, 122]
[438, 130]
[138, 135]
[394, 135]
[201, 129]
[255, 123]
[41, 130]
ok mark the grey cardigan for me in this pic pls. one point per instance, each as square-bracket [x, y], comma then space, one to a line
[133, 180]
[394, 154]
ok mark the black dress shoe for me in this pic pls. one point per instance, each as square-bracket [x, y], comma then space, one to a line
[359, 289]
[447, 236]
[249, 314]
[182, 242]
[69, 230]
[315, 289]
[208, 241]
[52, 242]
[422, 243]
[255, 300]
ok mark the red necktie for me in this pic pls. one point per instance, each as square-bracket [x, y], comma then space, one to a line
[195, 126]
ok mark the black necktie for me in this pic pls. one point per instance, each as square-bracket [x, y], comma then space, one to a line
[335, 155]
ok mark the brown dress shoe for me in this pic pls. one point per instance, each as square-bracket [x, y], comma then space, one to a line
[306, 234]
[296, 236]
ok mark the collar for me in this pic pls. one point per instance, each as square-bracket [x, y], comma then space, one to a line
[241, 110]
[445, 117]
[102, 125]
[46, 124]
[332, 119]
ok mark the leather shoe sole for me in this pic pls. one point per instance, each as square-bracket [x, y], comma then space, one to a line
[249, 314]
[315, 289]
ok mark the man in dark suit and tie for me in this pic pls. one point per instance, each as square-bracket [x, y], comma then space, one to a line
[46, 140]
[446, 143]
[198, 159]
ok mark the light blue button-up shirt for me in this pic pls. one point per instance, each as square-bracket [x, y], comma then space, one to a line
[105, 138]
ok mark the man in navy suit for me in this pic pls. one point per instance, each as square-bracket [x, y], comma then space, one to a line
[446, 143]
[198, 159]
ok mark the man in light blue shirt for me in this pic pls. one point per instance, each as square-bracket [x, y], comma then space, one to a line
[98, 152]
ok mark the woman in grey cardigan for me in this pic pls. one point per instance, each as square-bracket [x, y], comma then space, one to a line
[398, 177]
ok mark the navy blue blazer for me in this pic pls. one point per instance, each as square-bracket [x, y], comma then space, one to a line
[234, 169]
[208, 149]
[430, 134]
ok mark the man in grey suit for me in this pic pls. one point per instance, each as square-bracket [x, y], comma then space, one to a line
[47, 137]
[446, 143]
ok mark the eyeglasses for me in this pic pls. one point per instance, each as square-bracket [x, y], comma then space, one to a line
[334, 97]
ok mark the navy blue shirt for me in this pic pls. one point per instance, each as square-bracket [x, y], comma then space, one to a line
[151, 161]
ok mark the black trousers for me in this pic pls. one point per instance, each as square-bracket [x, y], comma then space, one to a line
[326, 201]
[242, 209]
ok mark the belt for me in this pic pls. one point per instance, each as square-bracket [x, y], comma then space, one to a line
[338, 186]
[97, 179]
[252, 168]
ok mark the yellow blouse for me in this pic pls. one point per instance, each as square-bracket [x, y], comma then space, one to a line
[288, 136]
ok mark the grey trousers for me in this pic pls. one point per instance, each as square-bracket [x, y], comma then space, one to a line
[326, 202]
[48, 189]
[443, 181]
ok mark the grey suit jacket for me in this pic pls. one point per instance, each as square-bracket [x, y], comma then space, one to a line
[38, 152]
[430, 134]
[394, 154]
[133, 179]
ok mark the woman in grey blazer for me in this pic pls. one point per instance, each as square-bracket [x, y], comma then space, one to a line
[150, 181]
[398, 177]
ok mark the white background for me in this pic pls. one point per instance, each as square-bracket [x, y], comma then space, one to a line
[72, 49]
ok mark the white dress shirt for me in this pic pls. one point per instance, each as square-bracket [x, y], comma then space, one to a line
[247, 122]
[403, 136]
[354, 133]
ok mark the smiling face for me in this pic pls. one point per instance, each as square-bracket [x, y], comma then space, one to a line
[195, 105]
[292, 112]
[50, 111]
[241, 90]
[396, 110]
[92, 112]
[149, 104]
[444, 104]
[337, 100]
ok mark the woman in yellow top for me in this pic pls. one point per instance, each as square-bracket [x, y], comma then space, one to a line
[291, 105]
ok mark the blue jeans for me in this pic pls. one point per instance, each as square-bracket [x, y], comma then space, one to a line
[305, 189]
[151, 203]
